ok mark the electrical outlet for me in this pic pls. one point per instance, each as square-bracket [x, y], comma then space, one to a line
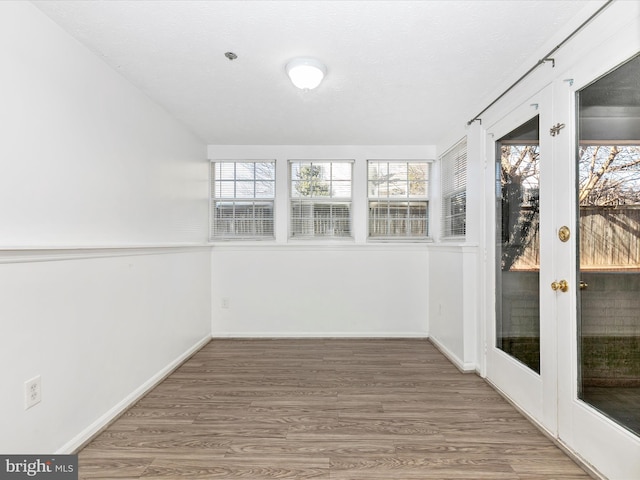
[32, 392]
[225, 302]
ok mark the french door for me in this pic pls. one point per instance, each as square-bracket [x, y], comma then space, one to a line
[599, 322]
[521, 335]
[563, 252]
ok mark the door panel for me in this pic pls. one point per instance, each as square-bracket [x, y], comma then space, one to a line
[609, 246]
[597, 323]
[523, 310]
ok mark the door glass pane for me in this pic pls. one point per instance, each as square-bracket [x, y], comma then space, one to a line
[609, 246]
[518, 244]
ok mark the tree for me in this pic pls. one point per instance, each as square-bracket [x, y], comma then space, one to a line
[609, 175]
[311, 182]
[519, 168]
[417, 174]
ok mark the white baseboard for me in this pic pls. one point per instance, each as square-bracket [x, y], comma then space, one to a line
[464, 367]
[320, 335]
[89, 433]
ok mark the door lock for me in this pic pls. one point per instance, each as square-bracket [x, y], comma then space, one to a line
[564, 233]
[562, 285]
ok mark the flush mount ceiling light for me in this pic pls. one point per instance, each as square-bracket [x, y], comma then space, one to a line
[306, 73]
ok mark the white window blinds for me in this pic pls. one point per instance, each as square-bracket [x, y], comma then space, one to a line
[320, 198]
[242, 198]
[398, 194]
[454, 190]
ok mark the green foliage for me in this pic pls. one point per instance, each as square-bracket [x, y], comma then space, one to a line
[311, 183]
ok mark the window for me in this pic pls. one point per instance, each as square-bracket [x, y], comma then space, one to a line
[454, 190]
[398, 199]
[242, 196]
[320, 199]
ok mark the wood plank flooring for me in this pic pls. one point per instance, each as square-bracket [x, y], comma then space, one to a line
[324, 409]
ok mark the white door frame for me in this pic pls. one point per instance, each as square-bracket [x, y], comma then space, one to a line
[534, 394]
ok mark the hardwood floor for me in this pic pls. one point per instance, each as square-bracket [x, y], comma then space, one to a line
[327, 409]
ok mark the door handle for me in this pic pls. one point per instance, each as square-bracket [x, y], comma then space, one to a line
[583, 285]
[562, 285]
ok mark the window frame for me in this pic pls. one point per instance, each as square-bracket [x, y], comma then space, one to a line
[406, 200]
[312, 201]
[270, 200]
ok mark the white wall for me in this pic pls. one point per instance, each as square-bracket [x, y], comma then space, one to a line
[321, 291]
[314, 287]
[98, 327]
[453, 303]
[455, 286]
[86, 160]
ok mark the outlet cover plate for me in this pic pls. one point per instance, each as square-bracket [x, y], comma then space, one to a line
[32, 392]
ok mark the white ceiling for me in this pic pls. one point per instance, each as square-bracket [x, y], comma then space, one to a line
[399, 72]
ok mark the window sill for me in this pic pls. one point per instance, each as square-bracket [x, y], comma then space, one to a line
[399, 240]
[317, 246]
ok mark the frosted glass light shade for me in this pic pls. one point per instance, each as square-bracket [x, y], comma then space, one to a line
[306, 73]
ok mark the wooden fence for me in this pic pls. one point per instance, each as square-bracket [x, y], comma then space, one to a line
[609, 239]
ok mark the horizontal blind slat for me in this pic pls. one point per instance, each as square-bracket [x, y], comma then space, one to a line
[242, 199]
[453, 184]
[320, 203]
[398, 198]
